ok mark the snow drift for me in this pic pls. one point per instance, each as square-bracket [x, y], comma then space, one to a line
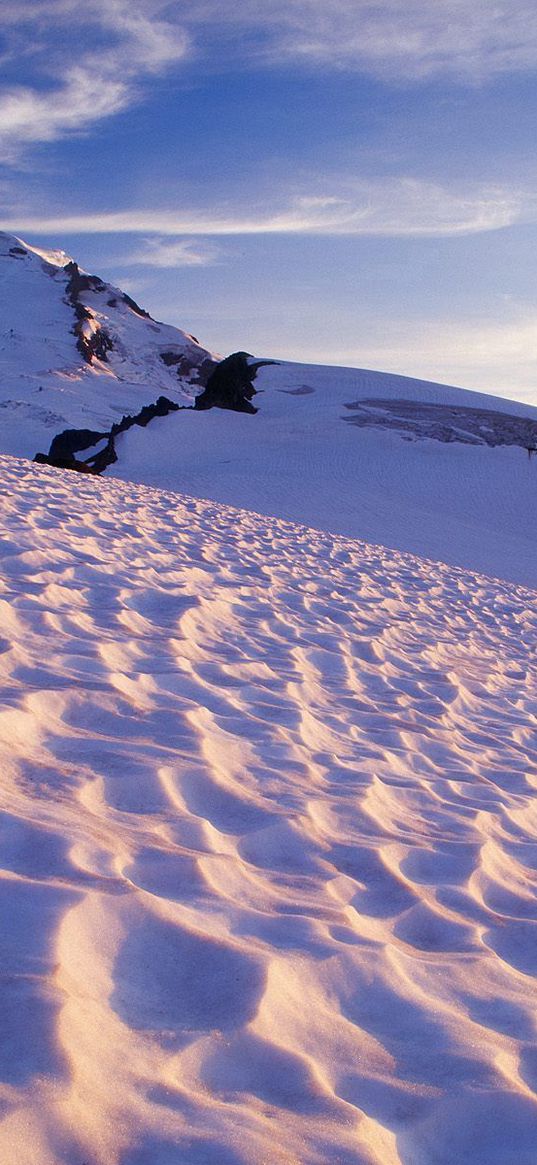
[268, 841]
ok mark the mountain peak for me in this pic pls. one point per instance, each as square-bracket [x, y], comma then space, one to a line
[78, 352]
[11, 245]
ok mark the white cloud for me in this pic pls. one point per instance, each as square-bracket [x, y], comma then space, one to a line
[76, 86]
[26, 115]
[400, 39]
[170, 253]
[391, 207]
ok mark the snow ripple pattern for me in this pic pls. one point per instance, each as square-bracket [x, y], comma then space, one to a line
[268, 842]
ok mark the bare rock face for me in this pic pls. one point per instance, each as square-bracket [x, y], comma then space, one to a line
[231, 385]
[102, 445]
[92, 341]
[196, 373]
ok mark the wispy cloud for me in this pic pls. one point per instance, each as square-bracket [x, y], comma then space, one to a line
[74, 87]
[399, 39]
[169, 253]
[89, 59]
[391, 207]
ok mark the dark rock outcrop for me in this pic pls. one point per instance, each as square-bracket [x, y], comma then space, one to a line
[92, 344]
[64, 446]
[171, 358]
[230, 385]
[186, 369]
[139, 311]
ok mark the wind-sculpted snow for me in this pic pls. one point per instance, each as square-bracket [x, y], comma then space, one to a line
[268, 841]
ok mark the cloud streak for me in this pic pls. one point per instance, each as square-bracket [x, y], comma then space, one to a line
[74, 88]
[396, 39]
[396, 208]
[496, 356]
[171, 253]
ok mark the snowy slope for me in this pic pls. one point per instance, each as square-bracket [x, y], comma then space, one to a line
[47, 383]
[420, 467]
[268, 841]
[414, 473]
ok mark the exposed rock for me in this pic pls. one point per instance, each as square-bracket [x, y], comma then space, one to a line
[81, 281]
[73, 441]
[64, 446]
[93, 342]
[203, 372]
[135, 307]
[187, 369]
[171, 358]
[230, 385]
[140, 311]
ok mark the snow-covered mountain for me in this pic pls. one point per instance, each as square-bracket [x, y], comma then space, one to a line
[88, 378]
[78, 353]
[415, 466]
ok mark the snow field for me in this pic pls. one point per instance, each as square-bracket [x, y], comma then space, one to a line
[268, 841]
[468, 505]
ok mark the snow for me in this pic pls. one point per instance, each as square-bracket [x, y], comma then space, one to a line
[268, 838]
[305, 456]
[299, 458]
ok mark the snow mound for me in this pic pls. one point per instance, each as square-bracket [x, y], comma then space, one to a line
[268, 841]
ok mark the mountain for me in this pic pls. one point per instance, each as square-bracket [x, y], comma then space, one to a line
[443, 473]
[78, 353]
[88, 378]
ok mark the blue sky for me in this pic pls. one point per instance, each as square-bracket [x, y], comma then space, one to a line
[351, 182]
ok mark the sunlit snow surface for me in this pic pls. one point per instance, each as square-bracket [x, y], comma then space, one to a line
[268, 841]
